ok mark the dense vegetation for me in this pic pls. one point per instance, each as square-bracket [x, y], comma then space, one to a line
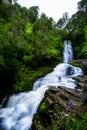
[30, 44]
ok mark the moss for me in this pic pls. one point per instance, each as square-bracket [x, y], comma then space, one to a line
[80, 104]
[76, 64]
[42, 107]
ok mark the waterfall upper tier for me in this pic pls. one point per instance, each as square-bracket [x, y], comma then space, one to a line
[68, 52]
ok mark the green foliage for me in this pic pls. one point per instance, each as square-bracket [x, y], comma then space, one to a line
[76, 64]
[33, 14]
[47, 43]
[26, 77]
[25, 42]
[28, 41]
[84, 48]
[2, 62]
[75, 123]
[42, 107]
[29, 31]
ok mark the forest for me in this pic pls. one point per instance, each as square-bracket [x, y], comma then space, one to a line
[31, 45]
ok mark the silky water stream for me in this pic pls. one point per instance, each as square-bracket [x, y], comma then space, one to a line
[21, 108]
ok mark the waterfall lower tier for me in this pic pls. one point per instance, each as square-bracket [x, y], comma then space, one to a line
[22, 107]
[61, 76]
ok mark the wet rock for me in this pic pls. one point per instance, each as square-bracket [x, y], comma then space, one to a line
[65, 98]
[83, 63]
[84, 98]
[59, 102]
[82, 82]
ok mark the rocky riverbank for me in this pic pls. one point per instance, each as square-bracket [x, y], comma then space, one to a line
[60, 104]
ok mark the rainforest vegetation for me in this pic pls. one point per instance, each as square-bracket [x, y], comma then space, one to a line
[30, 45]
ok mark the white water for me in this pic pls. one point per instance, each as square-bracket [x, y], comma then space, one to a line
[21, 108]
[68, 52]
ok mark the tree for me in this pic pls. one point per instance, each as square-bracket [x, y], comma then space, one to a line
[46, 40]
[32, 14]
[82, 5]
[84, 47]
[62, 23]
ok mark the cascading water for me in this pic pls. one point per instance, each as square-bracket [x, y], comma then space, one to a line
[21, 107]
[68, 52]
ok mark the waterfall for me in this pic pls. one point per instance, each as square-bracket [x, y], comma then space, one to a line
[68, 52]
[21, 108]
